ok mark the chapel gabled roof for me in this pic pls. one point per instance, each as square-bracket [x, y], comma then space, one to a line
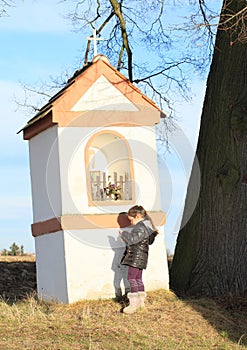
[58, 110]
[47, 107]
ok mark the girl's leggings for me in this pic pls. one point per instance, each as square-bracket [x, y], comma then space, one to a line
[135, 279]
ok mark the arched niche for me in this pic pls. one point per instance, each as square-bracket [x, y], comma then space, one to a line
[109, 168]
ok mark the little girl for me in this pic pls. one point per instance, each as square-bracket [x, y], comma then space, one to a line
[136, 254]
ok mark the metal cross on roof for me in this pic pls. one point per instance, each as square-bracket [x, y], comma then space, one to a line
[95, 39]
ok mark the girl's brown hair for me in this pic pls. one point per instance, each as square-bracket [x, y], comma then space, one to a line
[137, 209]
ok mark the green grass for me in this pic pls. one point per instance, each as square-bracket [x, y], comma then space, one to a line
[167, 323]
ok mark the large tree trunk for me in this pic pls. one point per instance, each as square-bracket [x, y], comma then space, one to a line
[211, 253]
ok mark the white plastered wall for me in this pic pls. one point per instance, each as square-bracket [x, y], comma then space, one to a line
[143, 146]
[72, 143]
[70, 266]
[91, 258]
[51, 267]
[45, 175]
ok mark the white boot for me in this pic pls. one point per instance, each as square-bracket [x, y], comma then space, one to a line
[133, 303]
[142, 297]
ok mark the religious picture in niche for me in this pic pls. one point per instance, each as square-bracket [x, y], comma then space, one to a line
[114, 188]
[109, 168]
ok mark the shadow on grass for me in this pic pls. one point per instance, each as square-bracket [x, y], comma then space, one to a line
[227, 315]
[17, 280]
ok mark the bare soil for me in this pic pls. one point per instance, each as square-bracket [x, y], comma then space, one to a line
[17, 277]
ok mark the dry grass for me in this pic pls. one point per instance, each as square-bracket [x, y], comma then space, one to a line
[167, 323]
[18, 258]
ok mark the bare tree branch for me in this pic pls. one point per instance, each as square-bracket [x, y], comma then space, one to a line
[176, 64]
[4, 6]
[117, 9]
[120, 57]
[25, 104]
[235, 24]
[143, 26]
[205, 19]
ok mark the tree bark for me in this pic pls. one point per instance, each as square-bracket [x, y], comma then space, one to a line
[211, 252]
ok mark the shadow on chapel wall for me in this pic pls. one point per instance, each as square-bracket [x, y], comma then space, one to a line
[120, 280]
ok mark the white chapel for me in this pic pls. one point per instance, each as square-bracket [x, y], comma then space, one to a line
[93, 155]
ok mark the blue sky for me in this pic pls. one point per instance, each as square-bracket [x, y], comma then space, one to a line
[37, 42]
